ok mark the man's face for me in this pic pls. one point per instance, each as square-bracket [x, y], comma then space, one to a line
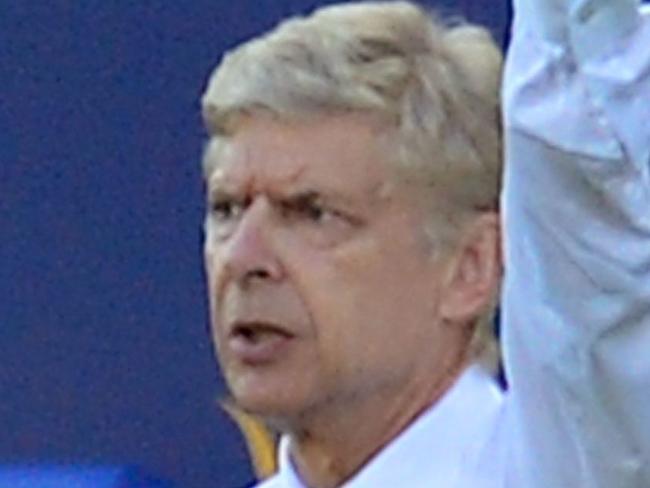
[323, 287]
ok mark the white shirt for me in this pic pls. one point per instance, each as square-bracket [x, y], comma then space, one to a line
[576, 298]
[439, 449]
[576, 205]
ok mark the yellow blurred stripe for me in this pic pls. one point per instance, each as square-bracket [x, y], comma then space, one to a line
[260, 440]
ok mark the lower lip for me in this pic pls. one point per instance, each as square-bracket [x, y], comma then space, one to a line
[266, 350]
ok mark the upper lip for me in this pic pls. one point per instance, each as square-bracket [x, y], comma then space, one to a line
[243, 326]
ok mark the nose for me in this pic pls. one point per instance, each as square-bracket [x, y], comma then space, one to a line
[248, 253]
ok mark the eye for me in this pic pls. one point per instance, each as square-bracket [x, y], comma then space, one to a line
[226, 209]
[313, 211]
[308, 210]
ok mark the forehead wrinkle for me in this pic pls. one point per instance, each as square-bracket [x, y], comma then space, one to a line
[280, 177]
[250, 171]
[270, 163]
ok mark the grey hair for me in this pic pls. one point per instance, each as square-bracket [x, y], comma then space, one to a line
[437, 85]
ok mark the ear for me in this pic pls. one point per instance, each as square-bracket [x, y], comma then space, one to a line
[473, 271]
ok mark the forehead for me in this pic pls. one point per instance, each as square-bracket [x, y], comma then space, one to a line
[345, 153]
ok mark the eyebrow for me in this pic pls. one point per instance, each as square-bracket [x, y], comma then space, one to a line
[220, 192]
[224, 189]
[301, 197]
[310, 196]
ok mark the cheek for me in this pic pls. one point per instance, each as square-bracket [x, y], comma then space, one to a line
[372, 293]
[344, 293]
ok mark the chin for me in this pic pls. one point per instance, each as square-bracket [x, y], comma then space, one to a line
[267, 401]
[277, 415]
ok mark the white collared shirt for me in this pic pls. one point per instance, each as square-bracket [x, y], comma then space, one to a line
[576, 209]
[435, 450]
[576, 298]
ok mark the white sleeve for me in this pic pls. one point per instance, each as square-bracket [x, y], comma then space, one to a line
[576, 206]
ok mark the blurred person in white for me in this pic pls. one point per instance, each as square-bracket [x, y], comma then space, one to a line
[576, 218]
[353, 248]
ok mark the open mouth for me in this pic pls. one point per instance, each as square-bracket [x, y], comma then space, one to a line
[256, 332]
[259, 343]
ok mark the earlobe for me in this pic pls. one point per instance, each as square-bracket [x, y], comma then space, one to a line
[474, 270]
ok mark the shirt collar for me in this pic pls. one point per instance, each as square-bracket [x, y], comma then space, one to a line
[434, 448]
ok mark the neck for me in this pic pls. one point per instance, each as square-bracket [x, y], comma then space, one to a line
[329, 447]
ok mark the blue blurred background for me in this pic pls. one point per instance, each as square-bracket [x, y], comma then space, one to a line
[105, 358]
